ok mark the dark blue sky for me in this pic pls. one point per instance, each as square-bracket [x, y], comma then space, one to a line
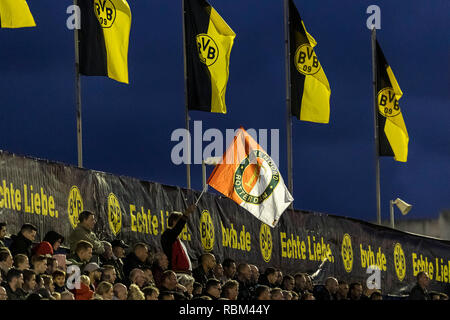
[127, 128]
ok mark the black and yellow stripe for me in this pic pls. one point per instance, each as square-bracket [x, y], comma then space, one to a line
[15, 14]
[104, 38]
[393, 137]
[310, 91]
[208, 46]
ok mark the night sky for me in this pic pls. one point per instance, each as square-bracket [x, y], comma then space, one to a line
[127, 128]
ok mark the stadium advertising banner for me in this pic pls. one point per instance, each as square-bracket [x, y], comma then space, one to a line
[51, 195]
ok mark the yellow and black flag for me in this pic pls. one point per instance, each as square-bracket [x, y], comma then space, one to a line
[310, 91]
[209, 40]
[15, 14]
[392, 135]
[104, 37]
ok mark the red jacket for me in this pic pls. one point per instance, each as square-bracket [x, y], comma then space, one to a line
[84, 293]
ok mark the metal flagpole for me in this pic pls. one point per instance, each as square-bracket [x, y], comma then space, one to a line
[188, 166]
[375, 120]
[78, 94]
[288, 98]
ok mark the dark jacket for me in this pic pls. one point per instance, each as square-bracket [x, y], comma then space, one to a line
[320, 292]
[19, 294]
[117, 263]
[264, 281]
[20, 244]
[53, 236]
[157, 272]
[246, 291]
[131, 262]
[417, 293]
[169, 237]
[201, 276]
[176, 295]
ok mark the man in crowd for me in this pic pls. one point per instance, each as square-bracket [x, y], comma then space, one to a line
[300, 286]
[218, 271]
[262, 292]
[204, 271]
[94, 272]
[243, 277]
[2, 234]
[120, 291]
[160, 265]
[14, 282]
[21, 262]
[328, 291]
[84, 231]
[118, 249]
[355, 291]
[83, 254]
[230, 290]
[6, 262]
[342, 292]
[29, 281]
[137, 277]
[213, 289]
[255, 274]
[276, 294]
[23, 241]
[229, 269]
[419, 291]
[269, 278]
[288, 283]
[109, 274]
[135, 259]
[173, 247]
[169, 284]
[39, 264]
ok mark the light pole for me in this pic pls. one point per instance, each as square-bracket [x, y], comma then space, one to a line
[401, 205]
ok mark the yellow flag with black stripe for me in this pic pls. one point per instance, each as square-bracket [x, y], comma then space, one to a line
[209, 40]
[310, 90]
[15, 14]
[392, 134]
[104, 38]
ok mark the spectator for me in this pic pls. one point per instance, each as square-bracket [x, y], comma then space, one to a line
[84, 292]
[3, 294]
[243, 277]
[229, 269]
[134, 293]
[52, 265]
[118, 249]
[419, 291]
[120, 291]
[262, 292]
[279, 280]
[137, 277]
[188, 282]
[287, 295]
[6, 262]
[355, 291]
[67, 295]
[376, 295]
[107, 256]
[84, 231]
[197, 290]
[22, 242]
[43, 248]
[59, 279]
[326, 292]
[276, 294]
[148, 274]
[49, 287]
[55, 240]
[83, 254]
[105, 290]
[308, 296]
[230, 290]
[309, 284]
[135, 259]
[94, 272]
[109, 274]
[288, 283]
[2, 234]
[21, 262]
[169, 284]
[174, 249]
[151, 293]
[213, 289]
[204, 271]
[39, 264]
[29, 281]
[160, 265]
[218, 271]
[269, 277]
[300, 286]
[14, 282]
[342, 292]
[255, 274]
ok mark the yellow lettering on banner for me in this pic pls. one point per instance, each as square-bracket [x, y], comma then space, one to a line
[51, 207]
[18, 200]
[44, 208]
[133, 217]
[37, 203]
[2, 201]
[283, 244]
[230, 238]
[155, 225]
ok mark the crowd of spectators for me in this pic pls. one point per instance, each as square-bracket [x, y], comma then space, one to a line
[102, 270]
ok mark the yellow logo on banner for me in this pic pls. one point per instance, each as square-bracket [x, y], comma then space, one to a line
[74, 206]
[105, 12]
[399, 261]
[206, 230]
[265, 242]
[114, 214]
[347, 252]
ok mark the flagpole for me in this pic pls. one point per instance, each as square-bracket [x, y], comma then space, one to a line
[188, 166]
[78, 93]
[375, 120]
[288, 98]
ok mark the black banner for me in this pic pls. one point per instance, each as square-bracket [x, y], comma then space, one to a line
[51, 195]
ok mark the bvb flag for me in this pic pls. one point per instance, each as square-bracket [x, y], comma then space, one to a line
[15, 14]
[104, 37]
[248, 175]
[393, 137]
[310, 91]
[209, 40]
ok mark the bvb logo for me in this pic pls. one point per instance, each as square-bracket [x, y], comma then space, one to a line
[347, 252]
[207, 230]
[306, 60]
[74, 206]
[387, 103]
[105, 12]
[399, 262]
[265, 242]
[114, 214]
[208, 51]
[243, 184]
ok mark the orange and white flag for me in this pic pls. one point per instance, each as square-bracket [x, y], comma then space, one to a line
[249, 176]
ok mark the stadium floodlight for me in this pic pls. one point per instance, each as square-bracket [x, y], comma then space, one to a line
[401, 205]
